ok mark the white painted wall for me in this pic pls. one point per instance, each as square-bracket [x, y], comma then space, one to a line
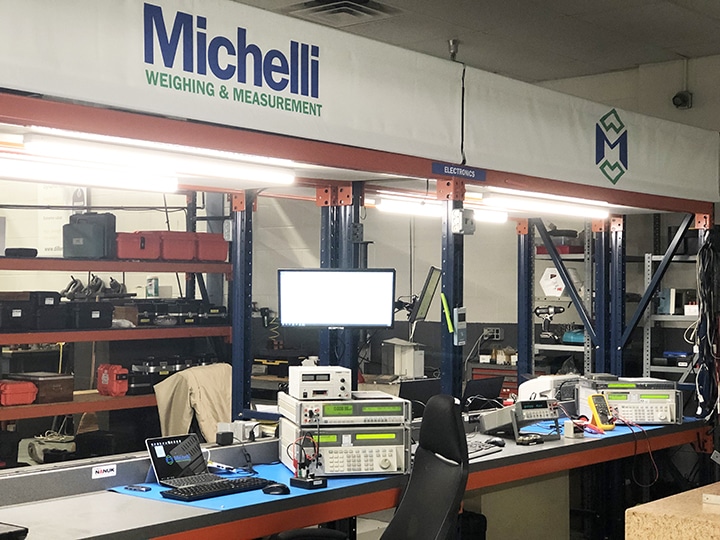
[649, 89]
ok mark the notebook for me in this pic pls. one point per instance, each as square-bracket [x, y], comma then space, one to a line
[178, 461]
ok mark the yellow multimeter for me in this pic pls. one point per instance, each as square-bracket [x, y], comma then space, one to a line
[601, 415]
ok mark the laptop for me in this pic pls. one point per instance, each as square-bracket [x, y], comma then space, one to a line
[483, 393]
[178, 461]
[418, 392]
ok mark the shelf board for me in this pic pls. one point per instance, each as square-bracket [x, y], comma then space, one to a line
[559, 347]
[115, 334]
[82, 403]
[672, 318]
[97, 265]
[668, 369]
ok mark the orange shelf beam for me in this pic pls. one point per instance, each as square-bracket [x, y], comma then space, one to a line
[81, 403]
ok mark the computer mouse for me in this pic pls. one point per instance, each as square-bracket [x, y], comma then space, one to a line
[276, 489]
[496, 441]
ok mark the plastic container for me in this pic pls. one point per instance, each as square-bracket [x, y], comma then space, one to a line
[112, 380]
[143, 245]
[178, 246]
[17, 392]
[211, 247]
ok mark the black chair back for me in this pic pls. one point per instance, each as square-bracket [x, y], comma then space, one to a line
[430, 504]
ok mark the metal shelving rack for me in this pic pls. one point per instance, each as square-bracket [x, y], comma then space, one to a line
[650, 320]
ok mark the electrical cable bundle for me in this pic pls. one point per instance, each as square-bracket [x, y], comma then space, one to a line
[706, 332]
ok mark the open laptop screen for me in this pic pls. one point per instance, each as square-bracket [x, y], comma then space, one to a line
[483, 393]
[176, 457]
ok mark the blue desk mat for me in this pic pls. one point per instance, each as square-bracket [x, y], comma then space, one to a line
[548, 427]
[276, 472]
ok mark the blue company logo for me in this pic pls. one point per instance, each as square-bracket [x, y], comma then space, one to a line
[296, 70]
[610, 132]
[180, 458]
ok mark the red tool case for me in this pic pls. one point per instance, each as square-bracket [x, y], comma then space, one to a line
[112, 380]
[17, 392]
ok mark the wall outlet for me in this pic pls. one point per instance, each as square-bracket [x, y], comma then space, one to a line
[493, 333]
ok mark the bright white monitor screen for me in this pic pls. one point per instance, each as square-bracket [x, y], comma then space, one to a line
[337, 298]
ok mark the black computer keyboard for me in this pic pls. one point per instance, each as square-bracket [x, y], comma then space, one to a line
[215, 489]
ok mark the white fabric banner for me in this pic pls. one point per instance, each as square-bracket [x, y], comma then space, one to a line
[227, 63]
[521, 128]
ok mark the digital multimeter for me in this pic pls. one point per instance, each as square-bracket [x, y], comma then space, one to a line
[601, 415]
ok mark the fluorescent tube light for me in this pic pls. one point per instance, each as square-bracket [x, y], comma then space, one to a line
[412, 208]
[13, 167]
[543, 206]
[195, 170]
[489, 216]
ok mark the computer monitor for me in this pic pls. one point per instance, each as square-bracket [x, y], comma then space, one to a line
[483, 393]
[336, 298]
[418, 392]
[422, 303]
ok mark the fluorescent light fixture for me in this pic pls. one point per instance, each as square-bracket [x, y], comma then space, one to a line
[489, 216]
[427, 208]
[14, 167]
[545, 206]
[432, 208]
[193, 170]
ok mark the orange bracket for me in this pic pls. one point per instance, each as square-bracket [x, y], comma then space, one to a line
[335, 195]
[450, 190]
[703, 221]
[238, 202]
[523, 226]
[617, 224]
[599, 225]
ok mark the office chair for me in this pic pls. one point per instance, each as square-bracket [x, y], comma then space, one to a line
[429, 506]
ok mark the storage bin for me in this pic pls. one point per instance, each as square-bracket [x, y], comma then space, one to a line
[178, 246]
[85, 315]
[141, 245]
[211, 247]
[17, 392]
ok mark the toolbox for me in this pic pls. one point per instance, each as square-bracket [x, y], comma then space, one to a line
[16, 315]
[178, 246]
[52, 387]
[90, 236]
[37, 298]
[90, 315]
[112, 380]
[54, 317]
[141, 383]
[211, 247]
[144, 245]
[17, 392]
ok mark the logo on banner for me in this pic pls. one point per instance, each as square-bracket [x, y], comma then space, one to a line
[229, 68]
[611, 146]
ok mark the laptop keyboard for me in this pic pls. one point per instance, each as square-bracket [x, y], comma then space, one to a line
[225, 486]
[478, 448]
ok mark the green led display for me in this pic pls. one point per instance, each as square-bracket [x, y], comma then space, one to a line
[337, 409]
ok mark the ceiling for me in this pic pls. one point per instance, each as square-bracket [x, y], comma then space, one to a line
[529, 40]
